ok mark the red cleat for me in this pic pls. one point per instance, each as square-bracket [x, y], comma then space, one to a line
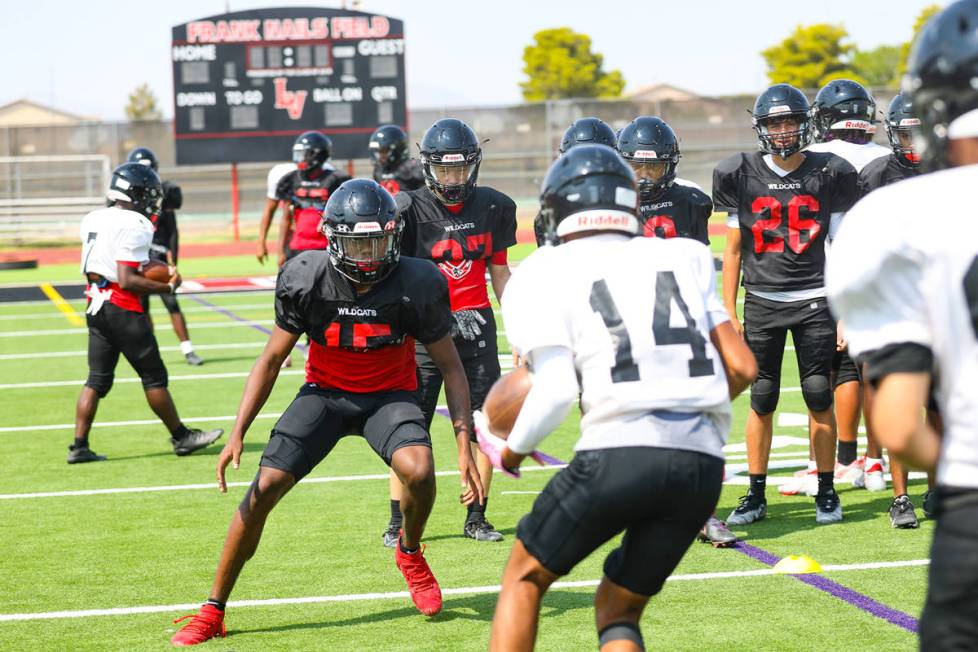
[422, 584]
[203, 626]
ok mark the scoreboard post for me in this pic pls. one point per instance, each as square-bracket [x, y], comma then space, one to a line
[247, 83]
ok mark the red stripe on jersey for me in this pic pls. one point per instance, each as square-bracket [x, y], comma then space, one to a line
[125, 299]
[386, 369]
[307, 234]
[466, 284]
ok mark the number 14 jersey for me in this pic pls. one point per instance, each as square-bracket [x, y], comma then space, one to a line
[637, 315]
[784, 220]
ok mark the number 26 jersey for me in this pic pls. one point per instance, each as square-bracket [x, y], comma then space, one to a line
[637, 315]
[784, 220]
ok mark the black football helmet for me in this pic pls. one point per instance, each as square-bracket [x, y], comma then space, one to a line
[450, 158]
[590, 188]
[364, 231]
[940, 71]
[901, 126]
[587, 130]
[388, 147]
[772, 107]
[844, 109]
[650, 146]
[138, 185]
[145, 156]
[310, 152]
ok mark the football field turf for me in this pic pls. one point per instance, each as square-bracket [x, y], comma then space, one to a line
[104, 556]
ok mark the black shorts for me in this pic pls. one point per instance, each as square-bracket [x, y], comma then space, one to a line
[766, 326]
[844, 369]
[660, 497]
[318, 418]
[481, 370]
[115, 330]
[950, 618]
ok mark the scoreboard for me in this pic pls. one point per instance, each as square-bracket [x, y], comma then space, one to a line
[245, 84]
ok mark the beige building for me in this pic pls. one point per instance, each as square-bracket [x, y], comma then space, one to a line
[22, 113]
[661, 93]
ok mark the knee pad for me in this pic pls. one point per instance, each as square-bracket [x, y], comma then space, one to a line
[622, 631]
[817, 393]
[171, 304]
[764, 395]
[101, 383]
[155, 378]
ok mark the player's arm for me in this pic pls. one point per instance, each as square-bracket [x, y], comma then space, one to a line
[731, 276]
[445, 356]
[259, 385]
[738, 361]
[131, 280]
[499, 276]
[552, 393]
[284, 232]
[264, 226]
[174, 241]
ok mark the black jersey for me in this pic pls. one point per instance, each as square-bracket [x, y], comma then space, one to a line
[683, 211]
[406, 176]
[362, 343]
[460, 243]
[784, 221]
[883, 171]
[308, 197]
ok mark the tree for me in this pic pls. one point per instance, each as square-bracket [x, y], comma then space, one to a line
[142, 104]
[926, 14]
[811, 57]
[878, 66]
[561, 64]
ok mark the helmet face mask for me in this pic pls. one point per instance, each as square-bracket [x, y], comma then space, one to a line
[651, 148]
[782, 121]
[388, 147]
[902, 129]
[364, 232]
[450, 159]
[310, 153]
[137, 185]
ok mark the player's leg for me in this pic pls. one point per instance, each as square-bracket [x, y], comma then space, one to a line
[395, 429]
[525, 581]
[139, 346]
[103, 356]
[683, 495]
[872, 477]
[180, 328]
[814, 335]
[848, 393]
[303, 436]
[765, 335]
[482, 371]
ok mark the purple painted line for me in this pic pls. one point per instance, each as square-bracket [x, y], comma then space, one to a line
[228, 313]
[856, 599]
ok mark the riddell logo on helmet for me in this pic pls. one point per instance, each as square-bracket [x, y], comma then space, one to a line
[852, 124]
[909, 122]
[367, 227]
[780, 108]
[645, 153]
[452, 158]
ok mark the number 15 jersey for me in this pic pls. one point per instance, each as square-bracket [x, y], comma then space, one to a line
[637, 315]
[784, 220]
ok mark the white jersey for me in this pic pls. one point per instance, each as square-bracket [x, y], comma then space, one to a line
[857, 155]
[893, 281]
[637, 315]
[275, 175]
[110, 235]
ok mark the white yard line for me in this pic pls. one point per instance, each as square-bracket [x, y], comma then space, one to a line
[70, 383]
[196, 326]
[163, 349]
[185, 310]
[403, 595]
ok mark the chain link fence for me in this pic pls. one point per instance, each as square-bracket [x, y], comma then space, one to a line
[522, 142]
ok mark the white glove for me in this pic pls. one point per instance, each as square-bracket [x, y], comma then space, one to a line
[98, 298]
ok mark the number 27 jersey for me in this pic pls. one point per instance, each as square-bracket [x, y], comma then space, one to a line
[637, 317]
[784, 221]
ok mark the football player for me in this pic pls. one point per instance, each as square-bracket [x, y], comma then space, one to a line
[465, 229]
[844, 119]
[909, 298]
[363, 306]
[305, 193]
[272, 204]
[782, 205]
[655, 365]
[669, 206]
[115, 244]
[165, 248]
[583, 131]
[394, 168]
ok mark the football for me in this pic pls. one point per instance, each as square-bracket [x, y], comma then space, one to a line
[157, 271]
[505, 399]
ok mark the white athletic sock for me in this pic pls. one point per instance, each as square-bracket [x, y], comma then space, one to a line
[186, 347]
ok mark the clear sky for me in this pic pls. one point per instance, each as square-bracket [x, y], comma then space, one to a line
[86, 56]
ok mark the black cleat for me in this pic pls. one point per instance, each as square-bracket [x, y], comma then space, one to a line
[83, 454]
[193, 359]
[930, 504]
[902, 515]
[750, 510]
[194, 440]
[481, 530]
[391, 535]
